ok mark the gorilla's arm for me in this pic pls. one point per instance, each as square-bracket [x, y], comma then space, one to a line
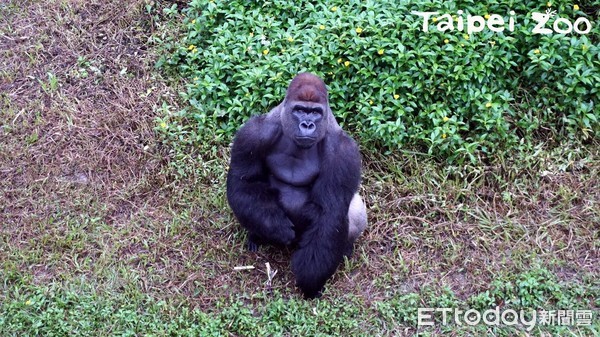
[253, 201]
[322, 246]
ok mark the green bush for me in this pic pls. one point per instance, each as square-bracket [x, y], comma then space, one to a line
[455, 95]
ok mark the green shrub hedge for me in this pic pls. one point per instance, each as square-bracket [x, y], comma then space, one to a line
[452, 94]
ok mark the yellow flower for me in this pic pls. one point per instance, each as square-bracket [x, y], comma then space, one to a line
[251, 34]
[290, 39]
[194, 21]
[493, 43]
[380, 52]
[462, 44]
[549, 4]
[340, 60]
[195, 79]
[265, 52]
[576, 7]
[396, 96]
[321, 27]
[347, 63]
[446, 41]
[466, 36]
[488, 104]
[334, 8]
[434, 19]
[359, 30]
[28, 302]
[163, 125]
[191, 47]
[446, 119]
[370, 102]
[444, 136]
[283, 50]
[537, 51]
[487, 16]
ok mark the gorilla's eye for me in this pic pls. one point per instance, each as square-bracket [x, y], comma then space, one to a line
[308, 110]
[301, 108]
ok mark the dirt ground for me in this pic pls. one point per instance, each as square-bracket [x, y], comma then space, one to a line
[78, 107]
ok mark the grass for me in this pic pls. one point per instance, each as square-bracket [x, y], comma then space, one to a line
[110, 229]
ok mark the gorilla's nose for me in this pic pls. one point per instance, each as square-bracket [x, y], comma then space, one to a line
[307, 128]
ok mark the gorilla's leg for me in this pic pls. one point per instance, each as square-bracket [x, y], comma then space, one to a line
[357, 218]
[357, 222]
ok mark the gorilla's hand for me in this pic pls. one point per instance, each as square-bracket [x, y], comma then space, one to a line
[279, 228]
[276, 229]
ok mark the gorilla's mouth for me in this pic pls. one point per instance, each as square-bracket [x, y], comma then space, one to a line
[305, 142]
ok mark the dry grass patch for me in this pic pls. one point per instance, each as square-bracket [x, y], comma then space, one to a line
[435, 229]
[78, 100]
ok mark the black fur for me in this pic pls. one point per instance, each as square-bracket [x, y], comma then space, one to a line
[318, 226]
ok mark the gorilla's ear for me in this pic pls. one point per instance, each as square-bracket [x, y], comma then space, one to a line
[331, 121]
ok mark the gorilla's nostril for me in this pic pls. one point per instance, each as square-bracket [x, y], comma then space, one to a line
[307, 126]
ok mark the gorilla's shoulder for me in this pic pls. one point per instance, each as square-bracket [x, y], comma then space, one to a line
[259, 131]
[341, 143]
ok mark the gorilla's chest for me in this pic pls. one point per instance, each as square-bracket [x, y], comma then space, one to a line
[292, 173]
[292, 165]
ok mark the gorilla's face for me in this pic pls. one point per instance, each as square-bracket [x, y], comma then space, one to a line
[306, 111]
[306, 119]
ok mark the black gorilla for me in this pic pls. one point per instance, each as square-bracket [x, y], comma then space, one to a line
[293, 179]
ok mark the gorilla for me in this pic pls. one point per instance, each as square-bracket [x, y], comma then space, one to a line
[293, 180]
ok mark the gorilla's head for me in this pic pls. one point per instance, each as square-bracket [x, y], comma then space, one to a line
[306, 114]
